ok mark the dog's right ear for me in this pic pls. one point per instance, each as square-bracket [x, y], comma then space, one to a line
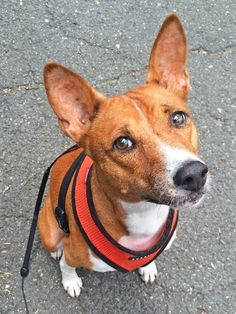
[72, 99]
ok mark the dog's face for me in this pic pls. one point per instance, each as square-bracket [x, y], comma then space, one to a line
[143, 142]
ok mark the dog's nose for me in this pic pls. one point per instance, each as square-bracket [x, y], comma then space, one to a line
[192, 176]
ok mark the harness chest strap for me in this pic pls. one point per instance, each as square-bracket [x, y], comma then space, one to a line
[100, 242]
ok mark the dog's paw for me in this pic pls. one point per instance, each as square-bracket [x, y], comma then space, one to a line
[148, 273]
[57, 255]
[70, 280]
[72, 284]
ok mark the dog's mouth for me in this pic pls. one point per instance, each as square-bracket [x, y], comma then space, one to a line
[191, 199]
[180, 198]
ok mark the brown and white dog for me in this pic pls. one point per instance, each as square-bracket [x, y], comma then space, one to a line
[143, 144]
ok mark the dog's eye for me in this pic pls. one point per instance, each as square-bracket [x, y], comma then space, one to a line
[178, 118]
[123, 144]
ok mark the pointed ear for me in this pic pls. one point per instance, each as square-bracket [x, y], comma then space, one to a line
[167, 64]
[72, 99]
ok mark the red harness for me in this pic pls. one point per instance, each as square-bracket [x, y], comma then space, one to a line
[100, 242]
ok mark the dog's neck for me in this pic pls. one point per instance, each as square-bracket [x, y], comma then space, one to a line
[139, 220]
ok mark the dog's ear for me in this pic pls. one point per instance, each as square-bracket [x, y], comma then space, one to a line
[168, 59]
[72, 99]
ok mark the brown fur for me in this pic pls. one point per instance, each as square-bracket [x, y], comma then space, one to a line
[95, 121]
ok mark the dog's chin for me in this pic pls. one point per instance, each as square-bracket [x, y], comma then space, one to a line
[192, 200]
[181, 199]
[189, 199]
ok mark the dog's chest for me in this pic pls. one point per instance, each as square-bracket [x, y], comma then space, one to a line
[144, 222]
[144, 218]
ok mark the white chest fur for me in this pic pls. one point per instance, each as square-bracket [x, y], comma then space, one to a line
[144, 218]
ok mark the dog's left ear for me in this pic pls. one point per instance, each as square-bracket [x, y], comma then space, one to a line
[167, 63]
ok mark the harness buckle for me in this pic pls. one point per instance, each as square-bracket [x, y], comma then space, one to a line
[62, 219]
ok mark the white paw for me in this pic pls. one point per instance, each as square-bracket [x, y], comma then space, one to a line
[57, 255]
[148, 273]
[72, 284]
[70, 280]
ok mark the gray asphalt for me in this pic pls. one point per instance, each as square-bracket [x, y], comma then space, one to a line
[109, 42]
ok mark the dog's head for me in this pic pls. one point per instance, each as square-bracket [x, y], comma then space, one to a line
[143, 142]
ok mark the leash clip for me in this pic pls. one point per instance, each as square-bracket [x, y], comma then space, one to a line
[62, 219]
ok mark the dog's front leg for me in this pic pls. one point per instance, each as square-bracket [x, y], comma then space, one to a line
[148, 273]
[70, 280]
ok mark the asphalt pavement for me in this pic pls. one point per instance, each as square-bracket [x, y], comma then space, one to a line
[108, 42]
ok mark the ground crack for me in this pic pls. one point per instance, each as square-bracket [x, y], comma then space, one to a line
[219, 52]
[92, 44]
[24, 87]
[118, 77]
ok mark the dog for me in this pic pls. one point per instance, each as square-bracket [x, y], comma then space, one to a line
[135, 163]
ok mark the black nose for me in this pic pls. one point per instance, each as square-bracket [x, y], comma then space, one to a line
[192, 176]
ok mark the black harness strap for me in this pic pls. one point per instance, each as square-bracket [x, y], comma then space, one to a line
[25, 267]
[60, 213]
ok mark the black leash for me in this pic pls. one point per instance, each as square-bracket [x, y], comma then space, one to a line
[24, 271]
